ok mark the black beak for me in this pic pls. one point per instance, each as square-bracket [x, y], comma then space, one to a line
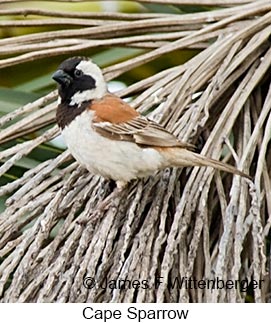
[62, 78]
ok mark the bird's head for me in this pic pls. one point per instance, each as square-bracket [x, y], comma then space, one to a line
[79, 80]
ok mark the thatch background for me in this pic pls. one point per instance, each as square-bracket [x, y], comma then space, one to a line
[181, 222]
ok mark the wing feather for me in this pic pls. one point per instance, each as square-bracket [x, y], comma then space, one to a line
[141, 131]
[117, 120]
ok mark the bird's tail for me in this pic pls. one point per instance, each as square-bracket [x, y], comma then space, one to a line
[185, 158]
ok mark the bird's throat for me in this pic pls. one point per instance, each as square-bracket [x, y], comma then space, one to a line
[65, 113]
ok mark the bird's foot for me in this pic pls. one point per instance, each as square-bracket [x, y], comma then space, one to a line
[110, 199]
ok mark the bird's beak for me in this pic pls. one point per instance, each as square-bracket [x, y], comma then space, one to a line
[62, 78]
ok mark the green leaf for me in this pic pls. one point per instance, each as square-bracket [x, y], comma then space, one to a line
[114, 55]
[193, 9]
[27, 163]
[175, 9]
[36, 84]
[2, 203]
[13, 99]
[44, 152]
[162, 8]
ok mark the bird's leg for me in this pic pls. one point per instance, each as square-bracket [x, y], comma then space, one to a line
[109, 200]
[121, 185]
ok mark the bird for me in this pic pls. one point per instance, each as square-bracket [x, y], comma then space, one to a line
[110, 138]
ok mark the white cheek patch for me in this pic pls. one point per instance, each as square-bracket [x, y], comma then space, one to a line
[91, 69]
[80, 97]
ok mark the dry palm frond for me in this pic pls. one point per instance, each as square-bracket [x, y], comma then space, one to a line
[179, 223]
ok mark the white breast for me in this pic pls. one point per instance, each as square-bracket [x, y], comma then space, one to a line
[119, 160]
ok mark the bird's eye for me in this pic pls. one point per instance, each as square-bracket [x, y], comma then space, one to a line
[78, 73]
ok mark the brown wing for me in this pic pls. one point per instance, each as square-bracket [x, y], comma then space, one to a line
[112, 109]
[116, 120]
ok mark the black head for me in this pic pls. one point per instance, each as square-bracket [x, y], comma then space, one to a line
[78, 80]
